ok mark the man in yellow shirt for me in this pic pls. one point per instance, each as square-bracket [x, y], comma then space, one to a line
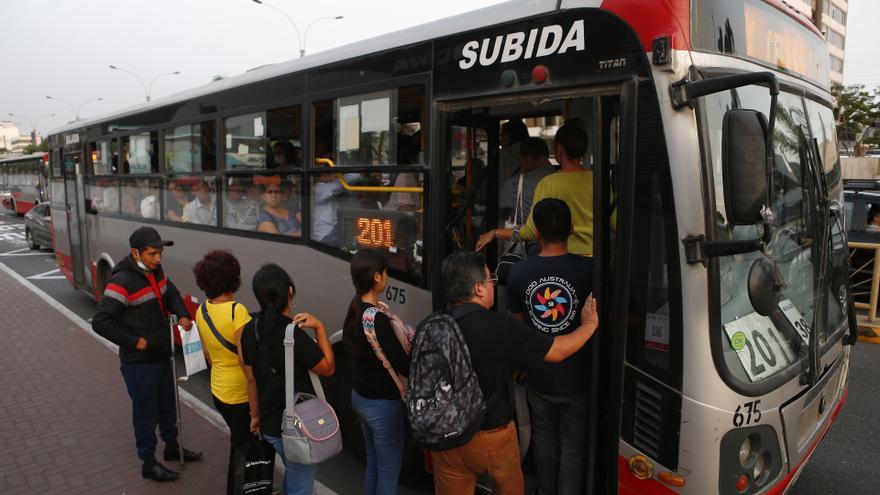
[572, 184]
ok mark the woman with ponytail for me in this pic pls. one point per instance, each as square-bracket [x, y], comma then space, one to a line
[375, 397]
[261, 344]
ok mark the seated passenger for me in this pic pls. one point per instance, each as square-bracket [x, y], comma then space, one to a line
[239, 212]
[573, 184]
[203, 209]
[176, 199]
[285, 154]
[548, 292]
[277, 217]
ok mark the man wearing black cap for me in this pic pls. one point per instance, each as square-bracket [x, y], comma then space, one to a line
[133, 314]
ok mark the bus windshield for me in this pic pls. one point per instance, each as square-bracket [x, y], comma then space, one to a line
[758, 347]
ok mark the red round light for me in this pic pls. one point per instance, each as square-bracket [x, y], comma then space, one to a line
[540, 74]
[742, 482]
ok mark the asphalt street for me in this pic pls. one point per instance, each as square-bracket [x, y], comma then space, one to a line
[843, 462]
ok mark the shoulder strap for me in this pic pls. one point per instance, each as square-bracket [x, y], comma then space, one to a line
[234, 304]
[225, 343]
[288, 368]
[369, 325]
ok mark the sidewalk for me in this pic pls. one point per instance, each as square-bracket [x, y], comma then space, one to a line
[65, 416]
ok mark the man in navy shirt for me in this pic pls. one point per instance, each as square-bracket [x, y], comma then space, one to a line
[548, 292]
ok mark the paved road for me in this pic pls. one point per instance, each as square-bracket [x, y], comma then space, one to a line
[843, 463]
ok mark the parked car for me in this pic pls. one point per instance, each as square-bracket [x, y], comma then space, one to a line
[38, 226]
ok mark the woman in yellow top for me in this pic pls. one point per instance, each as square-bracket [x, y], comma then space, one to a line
[219, 320]
[572, 184]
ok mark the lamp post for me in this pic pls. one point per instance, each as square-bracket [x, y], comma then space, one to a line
[301, 39]
[75, 110]
[147, 88]
[33, 124]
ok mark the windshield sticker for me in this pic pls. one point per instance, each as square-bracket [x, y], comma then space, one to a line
[761, 348]
[657, 331]
[796, 319]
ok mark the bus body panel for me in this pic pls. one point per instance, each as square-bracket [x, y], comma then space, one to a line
[323, 283]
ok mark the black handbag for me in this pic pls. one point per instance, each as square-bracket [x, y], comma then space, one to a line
[259, 468]
[506, 262]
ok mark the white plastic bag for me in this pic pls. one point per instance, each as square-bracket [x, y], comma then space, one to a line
[193, 356]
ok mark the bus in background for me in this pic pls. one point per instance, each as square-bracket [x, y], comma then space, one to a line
[720, 260]
[23, 181]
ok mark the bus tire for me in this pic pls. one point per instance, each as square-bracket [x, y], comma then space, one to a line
[29, 237]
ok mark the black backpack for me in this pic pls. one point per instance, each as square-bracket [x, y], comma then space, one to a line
[444, 403]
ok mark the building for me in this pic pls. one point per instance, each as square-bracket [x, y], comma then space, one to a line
[8, 134]
[833, 26]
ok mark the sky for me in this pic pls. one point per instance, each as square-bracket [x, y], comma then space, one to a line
[62, 48]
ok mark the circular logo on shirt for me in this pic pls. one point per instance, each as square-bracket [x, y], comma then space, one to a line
[551, 304]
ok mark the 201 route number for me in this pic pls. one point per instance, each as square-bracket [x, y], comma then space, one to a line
[761, 348]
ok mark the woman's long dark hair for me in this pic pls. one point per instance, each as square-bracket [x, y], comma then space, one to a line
[272, 286]
[364, 266]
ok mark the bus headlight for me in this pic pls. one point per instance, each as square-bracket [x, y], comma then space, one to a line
[750, 457]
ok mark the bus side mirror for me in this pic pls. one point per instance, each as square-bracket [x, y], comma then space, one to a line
[744, 165]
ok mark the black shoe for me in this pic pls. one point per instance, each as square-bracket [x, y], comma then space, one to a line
[174, 455]
[157, 472]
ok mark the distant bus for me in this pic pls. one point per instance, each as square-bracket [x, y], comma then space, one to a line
[23, 181]
[721, 360]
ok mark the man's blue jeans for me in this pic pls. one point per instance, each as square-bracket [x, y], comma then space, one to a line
[299, 479]
[559, 431]
[382, 422]
[150, 386]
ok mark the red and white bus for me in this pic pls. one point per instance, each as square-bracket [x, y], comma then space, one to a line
[23, 181]
[720, 257]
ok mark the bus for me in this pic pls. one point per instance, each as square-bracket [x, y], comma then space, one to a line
[720, 257]
[23, 181]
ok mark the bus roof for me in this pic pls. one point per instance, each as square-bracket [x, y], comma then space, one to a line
[39, 155]
[487, 16]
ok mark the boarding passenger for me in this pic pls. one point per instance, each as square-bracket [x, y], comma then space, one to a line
[573, 184]
[261, 347]
[329, 195]
[498, 345]
[377, 390]
[239, 211]
[219, 321]
[548, 292]
[517, 192]
[203, 209]
[133, 314]
[513, 132]
[277, 217]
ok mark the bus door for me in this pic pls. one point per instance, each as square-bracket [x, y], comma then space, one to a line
[73, 194]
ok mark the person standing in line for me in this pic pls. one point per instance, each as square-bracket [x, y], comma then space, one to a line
[219, 321]
[376, 395]
[498, 345]
[261, 348]
[513, 132]
[133, 314]
[517, 192]
[573, 184]
[548, 292]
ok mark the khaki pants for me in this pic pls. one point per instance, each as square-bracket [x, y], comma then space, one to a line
[495, 452]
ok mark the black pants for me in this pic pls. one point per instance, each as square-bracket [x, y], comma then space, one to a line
[238, 418]
[151, 388]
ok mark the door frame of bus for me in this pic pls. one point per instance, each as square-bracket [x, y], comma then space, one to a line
[72, 180]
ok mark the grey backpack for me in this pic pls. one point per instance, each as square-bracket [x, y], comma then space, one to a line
[444, 403]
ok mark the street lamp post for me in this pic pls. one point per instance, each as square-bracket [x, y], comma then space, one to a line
[75, 109]
[301, 39]
[147, 89]
[33, 124]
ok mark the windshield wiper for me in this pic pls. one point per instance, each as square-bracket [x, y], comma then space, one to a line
[818, 194]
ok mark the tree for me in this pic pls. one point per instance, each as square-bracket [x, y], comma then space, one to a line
[30, 149]
[856, 111]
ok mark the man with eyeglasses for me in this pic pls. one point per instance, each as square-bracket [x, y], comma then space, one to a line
[498, 345]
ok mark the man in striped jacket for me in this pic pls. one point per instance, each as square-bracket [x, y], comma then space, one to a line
[133, 314]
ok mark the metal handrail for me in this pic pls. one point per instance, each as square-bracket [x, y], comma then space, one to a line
[349, 187]
[871, 306]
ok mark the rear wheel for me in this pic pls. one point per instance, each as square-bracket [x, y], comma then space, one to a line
[29, 236]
